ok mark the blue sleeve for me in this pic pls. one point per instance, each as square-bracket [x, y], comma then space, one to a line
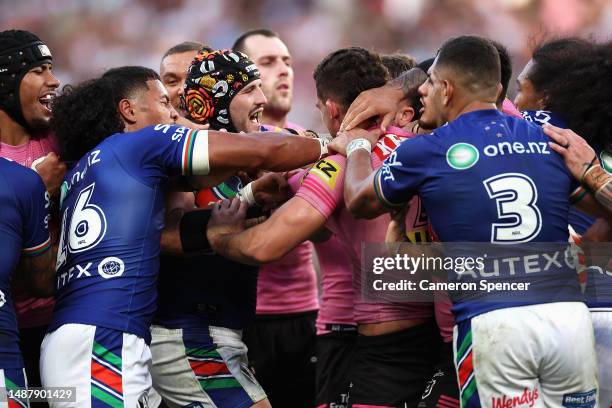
[163, 150]
[406, 168]
[34, 202]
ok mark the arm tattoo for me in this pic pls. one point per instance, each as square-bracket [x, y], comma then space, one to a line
[601, 183]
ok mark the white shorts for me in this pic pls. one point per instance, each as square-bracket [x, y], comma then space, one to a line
[13, 380]
[532, 356]
[107, 367]
[602, 324]
[205, 367]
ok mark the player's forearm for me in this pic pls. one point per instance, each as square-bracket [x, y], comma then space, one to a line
[600, 183]
[37, 273]
[266, 151]
[249, 247]
[358, 186]
[288, 153]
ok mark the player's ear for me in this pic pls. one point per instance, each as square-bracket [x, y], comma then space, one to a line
[404, 115]
[447, 92]
[333, 110]
[126, 110]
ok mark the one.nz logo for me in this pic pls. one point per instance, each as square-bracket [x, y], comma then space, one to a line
[462, 156]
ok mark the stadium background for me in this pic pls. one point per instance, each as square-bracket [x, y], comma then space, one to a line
[89, 36]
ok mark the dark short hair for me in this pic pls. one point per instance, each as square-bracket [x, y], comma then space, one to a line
[239, 44]
[347, 72]
[411, 81]
[573, 74]
[474, 62]
[505, 68]
[398, 63]
[85, 115]
[184, 47]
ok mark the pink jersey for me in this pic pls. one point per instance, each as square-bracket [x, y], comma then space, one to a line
[337, 283]
[323, 188]
[509, 109]
[31, 312]
[290, 284]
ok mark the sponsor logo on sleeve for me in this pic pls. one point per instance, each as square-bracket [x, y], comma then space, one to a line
[327, 170]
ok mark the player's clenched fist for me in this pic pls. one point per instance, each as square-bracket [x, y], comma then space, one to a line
[52, 171]
[227, 217]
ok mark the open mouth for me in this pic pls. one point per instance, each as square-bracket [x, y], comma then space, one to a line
[255, 115]
[47, 101]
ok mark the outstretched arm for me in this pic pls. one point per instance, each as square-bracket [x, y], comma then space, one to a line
[289, 226]
[229, 153]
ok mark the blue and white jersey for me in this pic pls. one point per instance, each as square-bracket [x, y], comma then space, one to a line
[598, 290]
[491, 178]
[112, 209]
[24, 231]
[579, 221]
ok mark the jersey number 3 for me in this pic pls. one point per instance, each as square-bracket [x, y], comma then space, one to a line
[516, 196]
[86, 227]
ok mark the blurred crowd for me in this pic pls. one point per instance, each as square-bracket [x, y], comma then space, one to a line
[90, 36]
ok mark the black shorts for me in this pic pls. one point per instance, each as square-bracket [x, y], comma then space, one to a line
[392, 370]
[335, 352]
[442, 390]
[282, 357]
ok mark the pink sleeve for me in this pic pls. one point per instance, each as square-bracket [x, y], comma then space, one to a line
[509, 109]
[324, 184]
[295, 181]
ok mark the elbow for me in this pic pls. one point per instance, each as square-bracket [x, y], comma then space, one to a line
[264, 255]
[262, 251]
[360, 207]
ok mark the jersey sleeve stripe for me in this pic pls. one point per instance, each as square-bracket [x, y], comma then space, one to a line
[38, 249]
[578, 195]
[188, 152]
[200, 164]
[321, 193]
[379, 192]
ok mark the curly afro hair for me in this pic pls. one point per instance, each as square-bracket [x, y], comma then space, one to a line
[574, 76]
[345, 73]
[85, 115]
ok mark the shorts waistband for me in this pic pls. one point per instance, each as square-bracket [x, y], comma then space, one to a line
[341, 328]
[203, 331]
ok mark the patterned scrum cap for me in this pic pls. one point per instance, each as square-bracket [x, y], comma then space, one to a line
[213, 79]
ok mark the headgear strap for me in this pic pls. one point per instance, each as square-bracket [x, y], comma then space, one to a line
[20, 51]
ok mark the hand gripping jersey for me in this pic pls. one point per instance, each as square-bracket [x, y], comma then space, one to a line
[24, 220]
[208, 290]
[112, 209]
[323, 189]
[488, 177]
